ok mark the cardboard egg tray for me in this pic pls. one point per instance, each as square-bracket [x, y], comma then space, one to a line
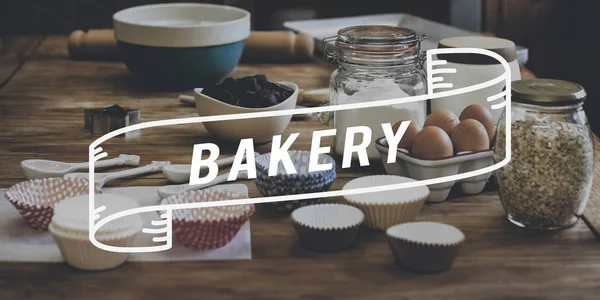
[419, 169]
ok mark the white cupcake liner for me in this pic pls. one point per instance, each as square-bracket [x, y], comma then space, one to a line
[79, 252]
[384, 209]
[425, 246]
[328, 216]
[70, 230]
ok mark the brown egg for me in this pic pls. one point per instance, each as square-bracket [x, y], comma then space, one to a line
[470, 135]
[481, 114]
[443, 119]
[409, 135]
[432, 143]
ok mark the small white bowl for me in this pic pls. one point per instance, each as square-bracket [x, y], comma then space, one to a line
[419, 169]
[261, 130]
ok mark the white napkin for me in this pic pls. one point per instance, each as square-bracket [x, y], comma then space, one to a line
[19, 243]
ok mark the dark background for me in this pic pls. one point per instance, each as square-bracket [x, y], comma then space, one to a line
[560, 34]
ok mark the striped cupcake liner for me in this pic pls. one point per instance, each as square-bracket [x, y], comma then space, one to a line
[212, 227]
[35, 199]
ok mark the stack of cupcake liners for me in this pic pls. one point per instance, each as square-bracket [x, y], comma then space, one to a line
[303, 182]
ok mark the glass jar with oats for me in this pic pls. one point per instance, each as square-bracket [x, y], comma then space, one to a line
[547, 182]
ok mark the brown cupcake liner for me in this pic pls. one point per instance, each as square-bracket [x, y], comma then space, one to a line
[427, 252]
[423, 258]
[326, 240]
[327, 227]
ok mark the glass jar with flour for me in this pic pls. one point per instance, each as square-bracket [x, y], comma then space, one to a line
[375, 63]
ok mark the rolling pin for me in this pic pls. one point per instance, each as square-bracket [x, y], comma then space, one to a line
[261, 46]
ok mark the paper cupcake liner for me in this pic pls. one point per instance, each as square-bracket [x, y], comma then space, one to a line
[314, 235]
[385, 209]
[35, 199]
[423, 257]
[36, 217]
[291, 184]
[79, 252]
[381, 217]
[207, 235]
[208, 228]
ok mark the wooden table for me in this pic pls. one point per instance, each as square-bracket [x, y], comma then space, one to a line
[41, 107]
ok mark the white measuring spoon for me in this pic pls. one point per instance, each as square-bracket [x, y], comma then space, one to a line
[41, 168]
[170, 190]
[181, 173]
[102, 178]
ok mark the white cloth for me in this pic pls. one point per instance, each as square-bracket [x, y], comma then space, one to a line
[19, 243]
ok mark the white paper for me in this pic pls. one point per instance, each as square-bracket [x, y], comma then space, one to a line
[20, 243]
[323, 28]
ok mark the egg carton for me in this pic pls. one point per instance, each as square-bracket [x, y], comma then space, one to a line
[419, 169]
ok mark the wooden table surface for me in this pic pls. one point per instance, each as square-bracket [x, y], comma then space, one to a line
[41, 108]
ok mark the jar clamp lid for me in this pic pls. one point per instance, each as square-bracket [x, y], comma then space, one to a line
[374, 44]
[547, 92]
[503, 47]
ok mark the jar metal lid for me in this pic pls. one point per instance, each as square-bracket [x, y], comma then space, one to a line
[547, 92]
[377, 39]
[503, 47]
[374, 44]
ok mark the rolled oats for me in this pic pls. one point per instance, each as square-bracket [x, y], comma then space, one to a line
[548, 180]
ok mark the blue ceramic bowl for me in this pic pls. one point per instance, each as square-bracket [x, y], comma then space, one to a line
[292, 184]
[182, 45]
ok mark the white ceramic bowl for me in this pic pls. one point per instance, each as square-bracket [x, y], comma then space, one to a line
[181, 25]
[183, 45]
[261, 130]
[419, 169]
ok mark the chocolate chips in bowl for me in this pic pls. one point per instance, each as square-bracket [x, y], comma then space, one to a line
[250, 92]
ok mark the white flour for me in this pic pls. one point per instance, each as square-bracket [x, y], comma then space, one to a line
[374, 117]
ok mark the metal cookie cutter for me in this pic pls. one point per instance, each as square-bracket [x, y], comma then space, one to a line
[104, 120]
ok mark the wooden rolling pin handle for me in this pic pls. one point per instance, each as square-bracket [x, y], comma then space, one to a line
[313, 98]
[261, 46]
[93, 43]
[278, 46]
